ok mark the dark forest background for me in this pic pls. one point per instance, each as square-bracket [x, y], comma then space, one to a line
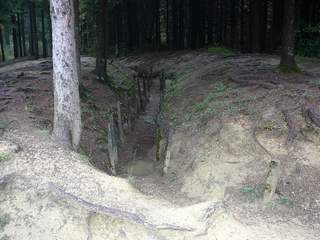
[248, 26]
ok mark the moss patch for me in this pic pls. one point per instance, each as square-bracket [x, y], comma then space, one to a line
[220, 50]
[286, 70]
[4, 220]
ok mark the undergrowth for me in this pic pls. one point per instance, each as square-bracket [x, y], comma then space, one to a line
[212, 105]
[220, 50]
[4, 157]
[4, 220]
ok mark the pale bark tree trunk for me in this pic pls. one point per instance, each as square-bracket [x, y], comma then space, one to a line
[67, 114]
[77, 22]
[288, 63]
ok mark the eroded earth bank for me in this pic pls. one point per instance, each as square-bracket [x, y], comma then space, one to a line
[229, 149]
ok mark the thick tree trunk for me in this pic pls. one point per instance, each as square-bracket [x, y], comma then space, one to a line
[3, 55]
[288, 63]
[77, 32]
[101, 46]
[67, 114]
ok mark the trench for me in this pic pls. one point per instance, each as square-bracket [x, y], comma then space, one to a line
[137, 156]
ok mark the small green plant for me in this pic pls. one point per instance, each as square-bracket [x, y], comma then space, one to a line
[131, 179]
[173, 177]
[175, 80]
[286, 201]
[203, 106]
[4, 220]
[5, 237]
[315, 82]
[84, 92]
[220, 50]
[285, 70]
[3, 125]
[4, 157]
[232, 110]
[282, 201]
[268, 126]
[252, 192]
[105, 114]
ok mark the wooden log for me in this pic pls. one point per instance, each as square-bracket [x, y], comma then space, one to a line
[112, 146]
[272, 181]
[129, 114]
[140, 95]
[120, 125]
[145, 90]
[162, 86]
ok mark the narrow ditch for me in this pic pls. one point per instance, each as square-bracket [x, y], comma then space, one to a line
[137, 156]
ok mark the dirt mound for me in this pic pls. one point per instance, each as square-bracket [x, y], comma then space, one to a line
[230, 118]
[226, 119]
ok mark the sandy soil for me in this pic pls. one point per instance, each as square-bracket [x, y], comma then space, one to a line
[227, 121]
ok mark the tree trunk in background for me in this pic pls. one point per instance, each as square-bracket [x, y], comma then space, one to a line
[3, 55]
[43, 31]
[33, 30]
[264, 25]
[67, 114]
[235, 24]
[181, 33]
[23, 35]
[210, 19]
[101, 47]
[174, 14]
[277, 22]
[167, 23]
[14, 36]
[220, 16]
[19, 34]
[157, 24]
[256, 25]
[31, 40]
[288, 63]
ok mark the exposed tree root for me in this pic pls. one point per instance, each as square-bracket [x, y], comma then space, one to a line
[246, 83]
[152, 217]
[274, 171]
[311, 112]
[293, 127]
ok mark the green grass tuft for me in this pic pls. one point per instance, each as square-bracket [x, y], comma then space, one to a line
[4, 157]
[220, 50]
[285, 70]
[4, 220]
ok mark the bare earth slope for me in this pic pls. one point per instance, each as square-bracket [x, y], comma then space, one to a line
[223, 133]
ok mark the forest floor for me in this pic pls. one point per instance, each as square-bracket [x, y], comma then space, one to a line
[228, 117]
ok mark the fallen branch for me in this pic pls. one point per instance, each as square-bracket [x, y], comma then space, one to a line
[293, 127]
